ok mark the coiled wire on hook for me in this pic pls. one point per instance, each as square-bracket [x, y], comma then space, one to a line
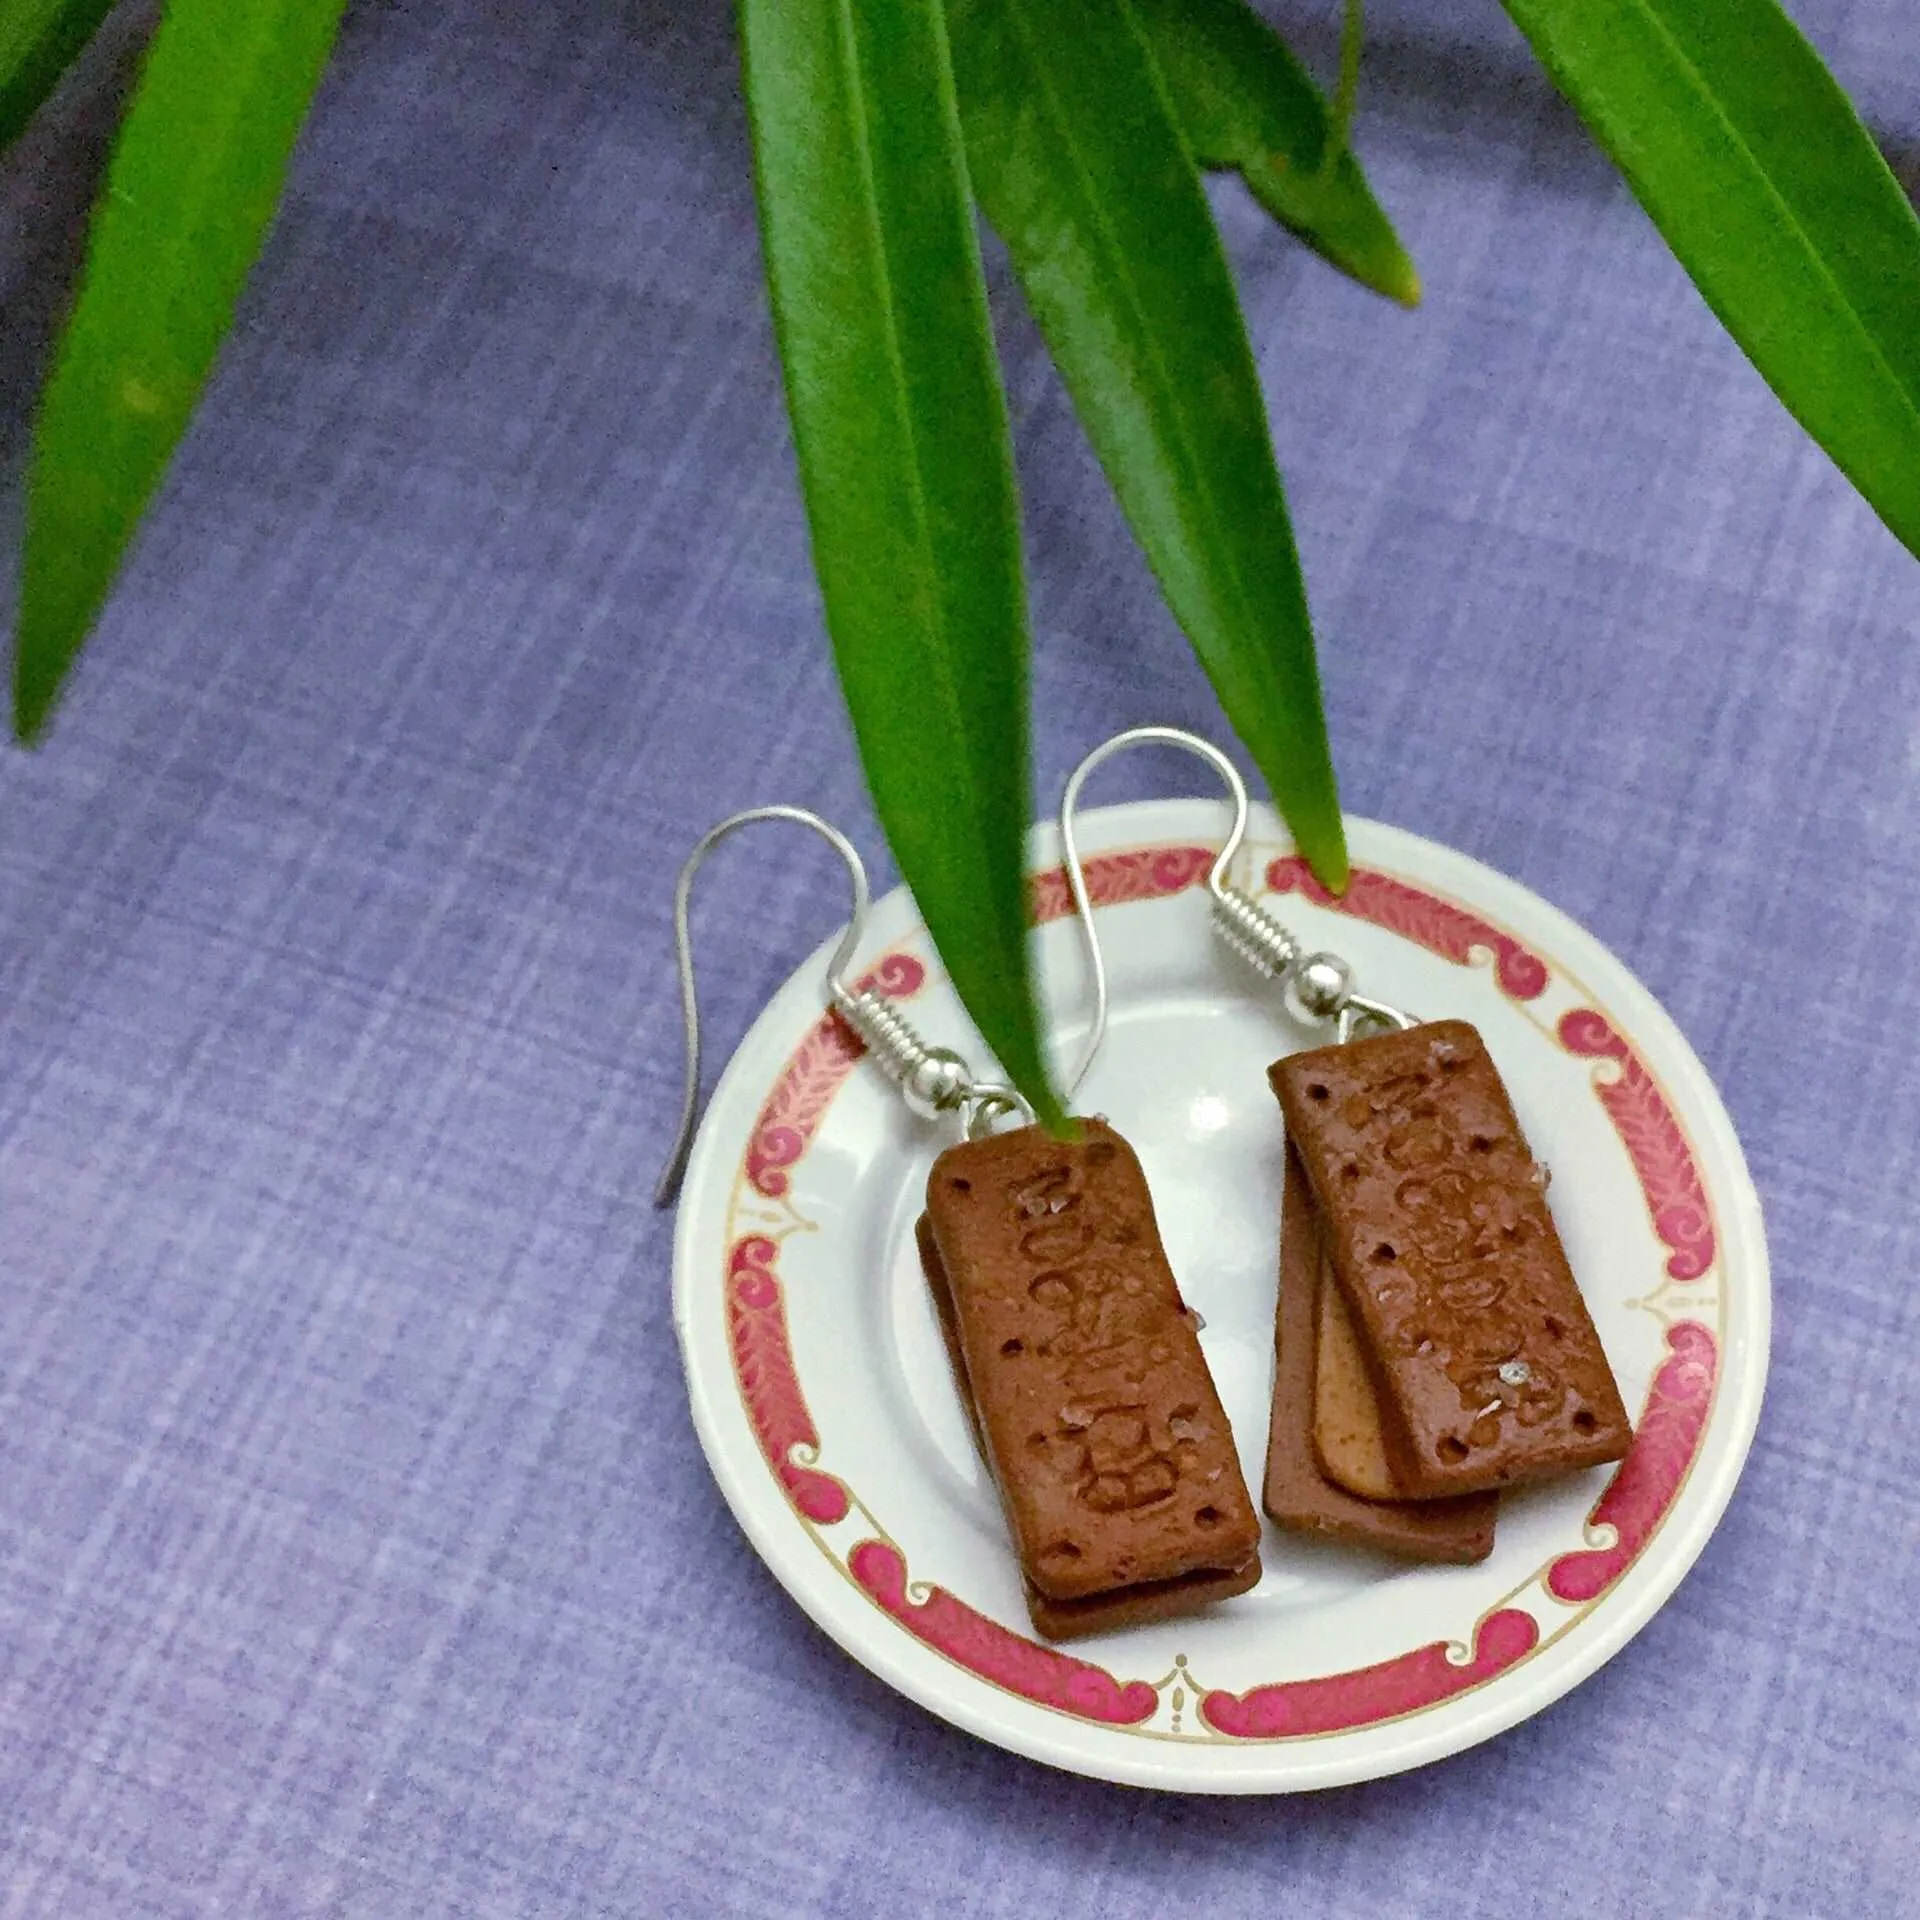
[932, 1080]
[1317, 986]
[1253, 933]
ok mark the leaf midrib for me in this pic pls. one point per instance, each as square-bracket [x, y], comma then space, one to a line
[1696, 80]
[923, 537]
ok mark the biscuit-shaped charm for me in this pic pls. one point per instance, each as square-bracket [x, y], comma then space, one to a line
[1099, 1418]
[1347, 1438]
[1298, 1494]
[1134, 1606]
[1484, 1356]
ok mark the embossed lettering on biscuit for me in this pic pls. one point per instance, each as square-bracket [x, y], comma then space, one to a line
[1440, 1236]
[1299, 1493]
[1101, 1422]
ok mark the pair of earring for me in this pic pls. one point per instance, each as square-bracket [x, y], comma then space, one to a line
[1431, 1343]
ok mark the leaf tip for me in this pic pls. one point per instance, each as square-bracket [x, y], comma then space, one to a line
[34, 695]
[41, 658]
[1049, 1113]
[1327, 858]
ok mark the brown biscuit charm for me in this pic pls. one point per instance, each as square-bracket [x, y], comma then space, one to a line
[1347, 1440]
[1100, 1421]
[1135, 1606]
[1140, 1605]
[1297, 1494]
[1437, 1230]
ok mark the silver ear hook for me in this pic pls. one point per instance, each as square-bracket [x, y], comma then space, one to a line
[932, 1080]
[1317, 986]
[837, 989]
[1217, 884]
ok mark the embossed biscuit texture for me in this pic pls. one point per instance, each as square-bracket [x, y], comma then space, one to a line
[1102, 1424]
[1297, 1494]
[1437, 1227]
[1135, 1606]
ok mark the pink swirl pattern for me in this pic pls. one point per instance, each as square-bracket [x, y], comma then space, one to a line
[813, 1076]
[763, 1364]
[1654, 1143]
[1367, 1695]
[1041, 1674]
[1113, 879]
[1645, 1483]
[1438, 925]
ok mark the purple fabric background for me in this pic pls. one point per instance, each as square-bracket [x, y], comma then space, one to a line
[356, 1553]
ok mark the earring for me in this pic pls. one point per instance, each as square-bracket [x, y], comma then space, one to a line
[1431, 1344]
[1075, 1357]
[933, 1081]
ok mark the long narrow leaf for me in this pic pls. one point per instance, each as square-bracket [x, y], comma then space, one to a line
[39, 40]
[192, 186]
[900, 426]
[1754, 165]
[1079, 165]
[1245, 102]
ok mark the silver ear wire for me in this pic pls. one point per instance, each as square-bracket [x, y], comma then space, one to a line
[1076, 873]
[1317, 986]
[932, 1080]
[838, 993]
[1253, 933]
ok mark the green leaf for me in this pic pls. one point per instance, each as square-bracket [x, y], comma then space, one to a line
[193, 183]
[1245, 102]
[1079, 165]
[39, 40]
[900, 425]
[1346, 95]
[1754, 165]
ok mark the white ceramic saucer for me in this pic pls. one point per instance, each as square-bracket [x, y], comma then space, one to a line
[821, 1391]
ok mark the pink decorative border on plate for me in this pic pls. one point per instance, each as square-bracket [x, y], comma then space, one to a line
[1114, 879]
[806, 1087]
[1436, 924]
[1634, 1502]
[1645, 1482]
[1654, 1143]
[769, 1384]
[969, 1639]
[1359, 1698]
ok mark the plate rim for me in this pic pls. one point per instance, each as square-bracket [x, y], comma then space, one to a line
[795, 1555]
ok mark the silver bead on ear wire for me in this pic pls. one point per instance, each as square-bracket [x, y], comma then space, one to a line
[1316, 988]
